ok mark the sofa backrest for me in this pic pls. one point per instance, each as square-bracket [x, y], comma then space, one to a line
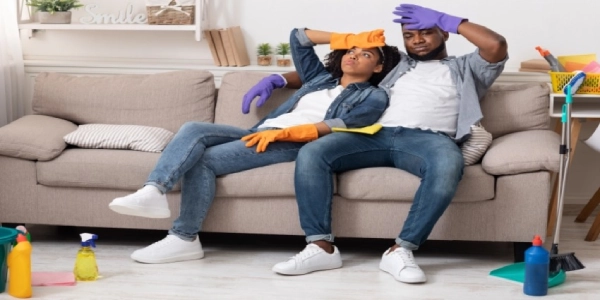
[165, 100]
[234, 85]
[509, 108]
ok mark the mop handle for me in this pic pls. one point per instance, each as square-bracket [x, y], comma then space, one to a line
[564, 166]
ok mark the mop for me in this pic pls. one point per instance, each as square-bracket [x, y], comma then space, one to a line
[559, 263]
[565, 261]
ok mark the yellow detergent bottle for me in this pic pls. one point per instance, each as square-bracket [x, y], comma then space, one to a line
[86, 268]
[19, 269]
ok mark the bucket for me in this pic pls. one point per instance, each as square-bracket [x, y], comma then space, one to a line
[7, 236]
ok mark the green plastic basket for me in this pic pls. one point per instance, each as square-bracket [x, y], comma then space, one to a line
[7, 236]
[516, 272]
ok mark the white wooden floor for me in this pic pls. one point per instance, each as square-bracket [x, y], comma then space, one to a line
[239, 267]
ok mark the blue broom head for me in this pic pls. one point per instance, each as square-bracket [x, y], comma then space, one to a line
[574, 84]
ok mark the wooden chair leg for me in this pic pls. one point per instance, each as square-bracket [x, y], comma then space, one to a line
[589, 208]
[594, 230]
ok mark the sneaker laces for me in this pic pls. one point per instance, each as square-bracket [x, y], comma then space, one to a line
[309, 250]
[163, 243]
[406, 256]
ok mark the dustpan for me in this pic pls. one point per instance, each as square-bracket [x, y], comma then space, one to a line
[516, 272]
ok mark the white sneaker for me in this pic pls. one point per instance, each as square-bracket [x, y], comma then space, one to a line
[311, 259]
[169, 249]
[147, 202]
[401, 264]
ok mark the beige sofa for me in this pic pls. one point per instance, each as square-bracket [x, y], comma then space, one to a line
[42, 181]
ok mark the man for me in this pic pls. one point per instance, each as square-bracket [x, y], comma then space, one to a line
[434, 99]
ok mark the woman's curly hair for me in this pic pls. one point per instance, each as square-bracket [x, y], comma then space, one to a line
[391, 57]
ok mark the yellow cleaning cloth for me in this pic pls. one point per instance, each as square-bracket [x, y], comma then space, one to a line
[372, 129]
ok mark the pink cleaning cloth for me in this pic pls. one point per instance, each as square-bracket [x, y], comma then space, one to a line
[592, 67]
[52, 279]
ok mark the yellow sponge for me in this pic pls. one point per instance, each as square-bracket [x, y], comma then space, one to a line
[372, 129]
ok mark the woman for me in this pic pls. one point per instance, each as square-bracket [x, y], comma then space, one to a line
[340, 93]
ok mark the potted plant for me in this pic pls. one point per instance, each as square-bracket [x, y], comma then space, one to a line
[264, 52]
[282, 50]
[54, 11]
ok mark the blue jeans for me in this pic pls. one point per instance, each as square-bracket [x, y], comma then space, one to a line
[434, 157]
[199, 153]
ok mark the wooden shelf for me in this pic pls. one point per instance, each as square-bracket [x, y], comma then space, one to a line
[75, 26]
[584, 105]
[200, 21]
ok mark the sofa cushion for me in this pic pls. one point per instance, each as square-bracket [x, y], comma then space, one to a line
[108, 136]
[128, 170]
[234, 86]
[394, 184]
[520, 152]
[165, 100]
[98, 168]
[34, 137]
[474, 148]
[511, 108]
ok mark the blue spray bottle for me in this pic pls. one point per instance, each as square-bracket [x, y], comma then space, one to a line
[86, 268]
[537, 265]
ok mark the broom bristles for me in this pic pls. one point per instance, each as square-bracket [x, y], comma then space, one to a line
[565, 261]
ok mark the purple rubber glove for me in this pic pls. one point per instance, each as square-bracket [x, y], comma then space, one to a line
[263, 88]
[417, 17]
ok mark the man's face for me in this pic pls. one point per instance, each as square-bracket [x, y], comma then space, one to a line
[425, 44]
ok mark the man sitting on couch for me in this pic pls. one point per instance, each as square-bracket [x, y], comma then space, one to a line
[341, 93]
[434, 100]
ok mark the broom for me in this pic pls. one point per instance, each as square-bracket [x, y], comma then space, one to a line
[565, 261]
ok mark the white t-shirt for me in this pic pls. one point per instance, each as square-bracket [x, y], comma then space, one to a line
[311, 108]
[426, 98]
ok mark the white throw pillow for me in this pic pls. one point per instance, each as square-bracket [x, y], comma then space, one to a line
[474, 148]
[132, 137]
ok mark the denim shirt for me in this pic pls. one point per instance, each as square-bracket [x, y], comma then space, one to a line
[472, 76]
[359, 104]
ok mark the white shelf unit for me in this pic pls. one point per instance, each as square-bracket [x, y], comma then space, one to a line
[583, 106]
[199, 23]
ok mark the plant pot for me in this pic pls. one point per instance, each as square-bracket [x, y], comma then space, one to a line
[284, 62]
[59, 17]
[264, 60]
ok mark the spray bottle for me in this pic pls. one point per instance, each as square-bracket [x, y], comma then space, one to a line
[86, 268]
[555, 66]
[19, 269]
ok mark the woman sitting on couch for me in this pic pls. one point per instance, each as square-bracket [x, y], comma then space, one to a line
[342, 92]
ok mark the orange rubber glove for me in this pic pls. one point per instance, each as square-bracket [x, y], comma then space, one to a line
[300, 133]
[367, 39]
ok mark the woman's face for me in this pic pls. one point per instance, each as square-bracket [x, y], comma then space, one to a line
[361, 62]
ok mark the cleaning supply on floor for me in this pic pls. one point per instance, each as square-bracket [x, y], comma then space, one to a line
[52, 279]
[564, 261]
[537, 263]
[574, 83]
[516, 273]
[86, 268]
[23, 231]
[19, 269]
[7, 236]
[555, 66]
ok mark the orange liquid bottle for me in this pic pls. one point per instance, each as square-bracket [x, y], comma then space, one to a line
[19, 269]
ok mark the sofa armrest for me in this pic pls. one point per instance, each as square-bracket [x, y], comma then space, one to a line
[521, 152]
[35, 137]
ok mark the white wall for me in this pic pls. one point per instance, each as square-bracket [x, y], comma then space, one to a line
[564, 27]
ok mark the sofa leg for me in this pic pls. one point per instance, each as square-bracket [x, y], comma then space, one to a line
[519, 250]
